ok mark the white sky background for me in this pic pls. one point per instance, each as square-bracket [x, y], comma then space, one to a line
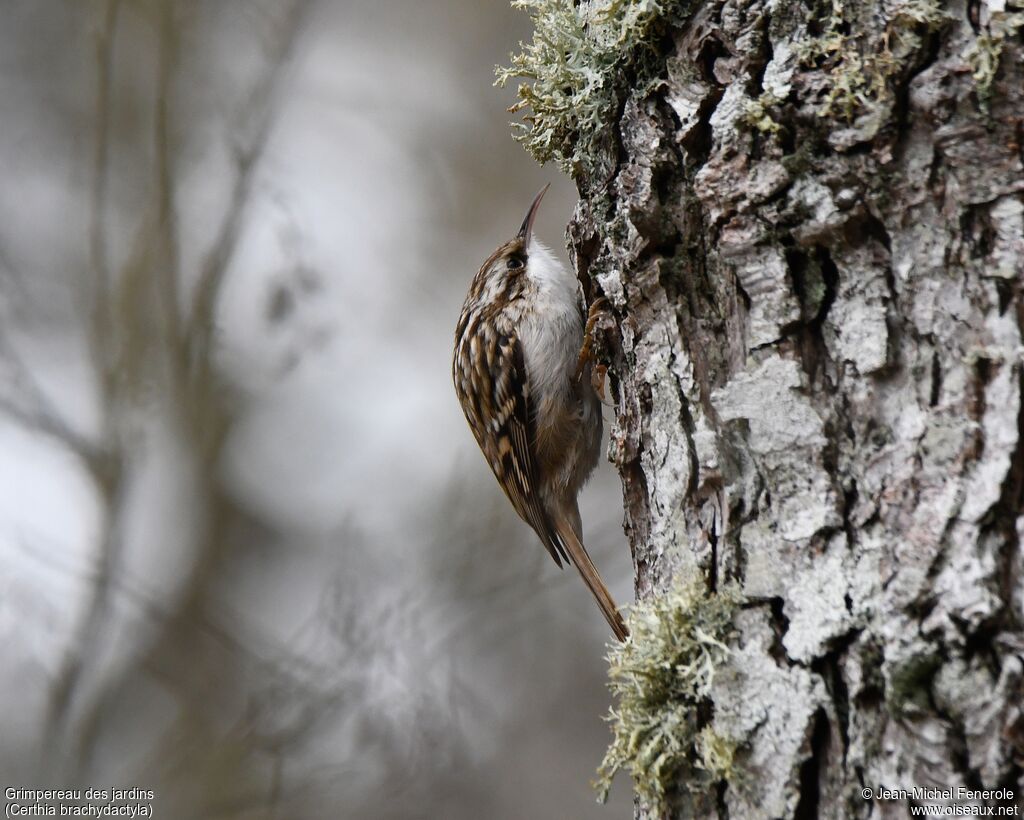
[389, 176]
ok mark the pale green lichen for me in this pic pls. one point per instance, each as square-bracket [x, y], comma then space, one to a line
[861, 69]
[715, 754]
[661, 677]
[574, 66]
[986, 50]
[757, 113]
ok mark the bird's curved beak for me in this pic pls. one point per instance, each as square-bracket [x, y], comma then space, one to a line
[527, 229]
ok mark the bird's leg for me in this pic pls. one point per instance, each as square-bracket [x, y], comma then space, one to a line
[598, 310]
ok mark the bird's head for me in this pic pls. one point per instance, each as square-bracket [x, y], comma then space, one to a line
[511, 259]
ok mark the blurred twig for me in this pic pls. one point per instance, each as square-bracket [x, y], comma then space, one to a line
[27, 402]
[99, 286]
[166, 256]
[169, 372]
[248, 150]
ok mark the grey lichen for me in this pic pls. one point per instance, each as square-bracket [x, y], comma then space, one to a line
[661, 678]
[574, 67]
[860, 68]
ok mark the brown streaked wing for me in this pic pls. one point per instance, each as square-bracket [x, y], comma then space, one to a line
[498, 409]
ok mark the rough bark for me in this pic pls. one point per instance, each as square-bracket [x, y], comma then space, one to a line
[815, 354]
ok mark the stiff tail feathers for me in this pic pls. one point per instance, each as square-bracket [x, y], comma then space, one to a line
[592, 578]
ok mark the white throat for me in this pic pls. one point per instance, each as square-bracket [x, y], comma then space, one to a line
[549, 274]
[553, 332]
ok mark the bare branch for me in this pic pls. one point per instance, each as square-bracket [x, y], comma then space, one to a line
[261, 106]
[101, 156]
[41, 418]
[98, 250]
[166, 258]
[29, 404]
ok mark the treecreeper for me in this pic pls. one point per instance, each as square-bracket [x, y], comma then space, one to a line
[524, 385]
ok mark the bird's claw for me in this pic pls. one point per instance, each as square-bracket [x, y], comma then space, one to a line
[597, 379]
[598, 372]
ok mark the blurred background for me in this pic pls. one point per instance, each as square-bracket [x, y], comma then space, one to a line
[250, 556]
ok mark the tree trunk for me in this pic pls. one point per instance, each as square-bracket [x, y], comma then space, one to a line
[809, 223]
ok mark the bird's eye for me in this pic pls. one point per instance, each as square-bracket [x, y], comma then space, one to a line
[514, 263]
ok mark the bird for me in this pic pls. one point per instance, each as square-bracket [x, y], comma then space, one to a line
[519, 375]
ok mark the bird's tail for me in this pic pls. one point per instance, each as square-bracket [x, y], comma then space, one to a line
[591, 577]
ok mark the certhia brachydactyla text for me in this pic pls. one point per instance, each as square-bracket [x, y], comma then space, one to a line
[536, 418]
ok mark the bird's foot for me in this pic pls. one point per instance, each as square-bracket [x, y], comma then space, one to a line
[598, 371]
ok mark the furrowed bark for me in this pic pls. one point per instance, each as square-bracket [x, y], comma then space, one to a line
[811, 234]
